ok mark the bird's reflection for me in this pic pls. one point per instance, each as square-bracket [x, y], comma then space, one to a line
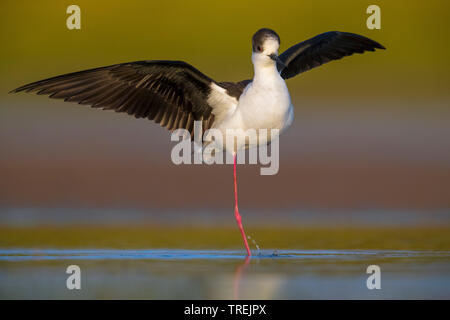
[238, 274]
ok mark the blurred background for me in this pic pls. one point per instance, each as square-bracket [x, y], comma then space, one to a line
[370, 143]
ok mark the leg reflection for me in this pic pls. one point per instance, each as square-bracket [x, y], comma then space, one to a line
[238, 275]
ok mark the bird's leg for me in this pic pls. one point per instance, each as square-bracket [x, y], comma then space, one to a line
[236, 210]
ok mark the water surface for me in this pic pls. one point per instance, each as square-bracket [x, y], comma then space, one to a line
[224, 274]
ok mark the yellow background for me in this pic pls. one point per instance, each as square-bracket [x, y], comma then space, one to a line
[215, 37]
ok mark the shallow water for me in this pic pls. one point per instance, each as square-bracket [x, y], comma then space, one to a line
[175, 255]
[163, 254]
[224, 274]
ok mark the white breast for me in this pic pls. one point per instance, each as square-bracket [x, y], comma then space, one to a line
[264, 104]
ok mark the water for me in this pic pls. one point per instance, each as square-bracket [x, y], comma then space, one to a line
[255, 244]
[224, 274]
[132, 254]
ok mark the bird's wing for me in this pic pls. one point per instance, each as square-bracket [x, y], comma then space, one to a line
[172, 93]
[235, 89]
[321, 49]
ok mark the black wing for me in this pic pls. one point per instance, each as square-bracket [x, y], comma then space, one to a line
[172, 93]
[235, 89]
[321, 49]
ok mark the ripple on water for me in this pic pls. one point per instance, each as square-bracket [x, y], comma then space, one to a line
[166, 254]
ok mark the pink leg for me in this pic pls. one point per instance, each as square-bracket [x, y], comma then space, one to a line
[236, 211]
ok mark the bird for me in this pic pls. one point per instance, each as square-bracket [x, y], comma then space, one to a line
[175, 94]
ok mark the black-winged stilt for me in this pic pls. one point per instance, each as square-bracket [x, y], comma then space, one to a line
[175, 94]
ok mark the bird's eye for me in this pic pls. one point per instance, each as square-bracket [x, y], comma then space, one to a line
[259, 48]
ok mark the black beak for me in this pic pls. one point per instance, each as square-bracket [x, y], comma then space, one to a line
[280, 63]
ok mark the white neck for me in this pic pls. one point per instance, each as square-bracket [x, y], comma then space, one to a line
[265, 73]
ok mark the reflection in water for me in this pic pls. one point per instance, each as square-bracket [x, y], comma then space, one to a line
[213, 274]
[238, 274]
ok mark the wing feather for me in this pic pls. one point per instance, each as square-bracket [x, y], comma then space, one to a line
[172, 93]
[321, 49]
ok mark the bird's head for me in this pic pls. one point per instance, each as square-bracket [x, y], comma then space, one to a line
[266, 43]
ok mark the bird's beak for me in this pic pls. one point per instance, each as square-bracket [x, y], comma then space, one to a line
[275, 58]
